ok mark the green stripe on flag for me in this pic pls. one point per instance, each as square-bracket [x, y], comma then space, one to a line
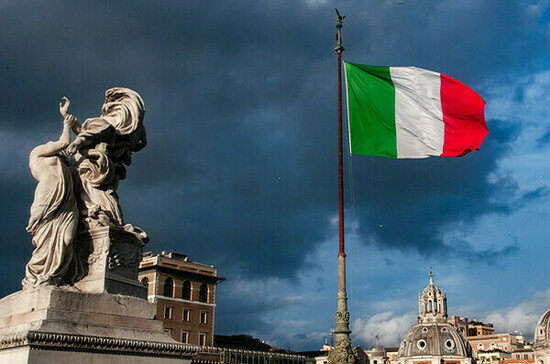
[371, 110]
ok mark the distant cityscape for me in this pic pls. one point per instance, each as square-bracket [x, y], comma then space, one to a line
[185, 294]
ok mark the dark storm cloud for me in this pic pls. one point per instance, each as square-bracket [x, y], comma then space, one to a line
[241, 119]
[460, 249]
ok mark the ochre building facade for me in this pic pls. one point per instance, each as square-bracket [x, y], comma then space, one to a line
[185, 293]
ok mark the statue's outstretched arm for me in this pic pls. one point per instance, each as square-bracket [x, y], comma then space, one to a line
[50, 148]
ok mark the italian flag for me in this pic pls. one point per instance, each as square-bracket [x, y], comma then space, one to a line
[408, 112]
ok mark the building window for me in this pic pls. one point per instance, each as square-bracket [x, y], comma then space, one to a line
[203, 293]
[186, 290]
[185, 337]
[204, 316]
[202, 339]
[186, 315]
[421, 344]
[145, 281]
[169, 287]
[168, 312]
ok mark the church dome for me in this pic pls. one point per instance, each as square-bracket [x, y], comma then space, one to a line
[542, 331]
[431, 289]
[541, 346]
[434, 339]
[378, 351]
[433, 336]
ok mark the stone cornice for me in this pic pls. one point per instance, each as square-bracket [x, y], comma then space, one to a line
[35, 339]
[155, 298]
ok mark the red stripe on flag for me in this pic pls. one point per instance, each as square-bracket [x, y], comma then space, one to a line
[464, 118]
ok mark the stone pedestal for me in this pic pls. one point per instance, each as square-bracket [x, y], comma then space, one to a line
[104, 318]
[54, 325]
[113, 256]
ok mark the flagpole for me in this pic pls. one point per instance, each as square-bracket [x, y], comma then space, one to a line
[342, 351]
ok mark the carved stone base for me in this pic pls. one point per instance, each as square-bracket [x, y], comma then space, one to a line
[342, 353]
[113, 256]
[54, 325]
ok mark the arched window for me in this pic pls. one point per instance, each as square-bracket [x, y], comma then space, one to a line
[186, 290]
[435, 306]
[203, 293]
[430, 306]
[145, 281]
[168, 287]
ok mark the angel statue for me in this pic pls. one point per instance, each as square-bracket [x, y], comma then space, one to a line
[102, 148]
[77, 184]
[54, 213]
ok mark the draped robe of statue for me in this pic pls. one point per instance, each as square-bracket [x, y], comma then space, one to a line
[103, 147]
[97, 173]
[54, 218]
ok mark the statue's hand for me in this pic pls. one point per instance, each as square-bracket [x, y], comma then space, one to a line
[74, 146]
[69, 121]
[64, 107]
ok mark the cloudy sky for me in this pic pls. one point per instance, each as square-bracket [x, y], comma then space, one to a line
[240, 170]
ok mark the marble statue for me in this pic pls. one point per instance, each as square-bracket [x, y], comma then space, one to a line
[102, 148]
[54, 213]
[81, 300]
[76, 191]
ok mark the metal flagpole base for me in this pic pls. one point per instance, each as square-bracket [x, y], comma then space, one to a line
[342, 352]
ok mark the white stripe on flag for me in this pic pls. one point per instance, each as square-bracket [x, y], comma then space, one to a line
[418, 115]
[347, 105]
